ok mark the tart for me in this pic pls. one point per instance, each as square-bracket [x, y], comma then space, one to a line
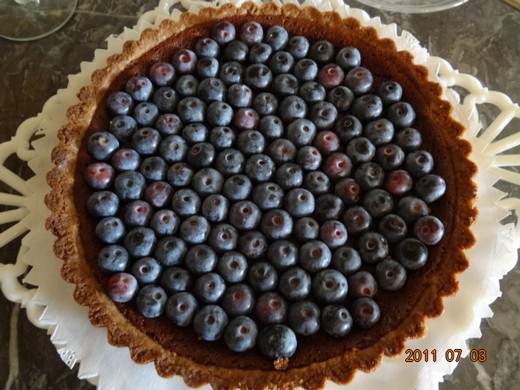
[401, 294]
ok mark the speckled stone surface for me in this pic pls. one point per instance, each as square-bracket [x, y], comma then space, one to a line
[479, 38]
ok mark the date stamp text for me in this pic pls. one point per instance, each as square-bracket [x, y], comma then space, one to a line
[451, 355]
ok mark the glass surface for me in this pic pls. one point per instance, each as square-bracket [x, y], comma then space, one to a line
[413, 6]
[25, 20]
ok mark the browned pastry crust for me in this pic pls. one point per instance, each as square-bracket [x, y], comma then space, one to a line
[177, 351]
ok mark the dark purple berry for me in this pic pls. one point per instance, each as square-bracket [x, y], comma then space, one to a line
[390, 275]
[365, 312]
[304, 318]
[122, 287]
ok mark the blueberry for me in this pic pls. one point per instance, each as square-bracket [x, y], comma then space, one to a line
[258, 76]
[372, 247]
[328, 206]
[194, 229]
[277, 37]
[231, 72]
[238, 299]
[207, 181]
[369, 175]
[200, 259]
[316, 182]
[215, 208]
[327, 142]
[120, 103]
[179, 174]
[165, 98]
[378, 202]
[187, 85]
[237, 187]
[359, 80]
[200, 155]
[146, 140]
[113, 258]
[181, 308]
[140, 241]
[175, 279]
[409, 139]
[362, 284]
[380, 131]
[389, 156]
[223, 32]
[184, 61]
[244, 215]
[428, 229]
[389, 92]
[306, 228]
[195, 133]
[232, 266]
[209, 288]
[299, 202]
[251, 32]
[367, 107]
[170, 250]
[276, 224]
[151, 301]
[295, 284]
[401, 114]
[168, 124]
[191, 109]
[223, 237]
[282, 254]
[336, 320]
[271, 308]
[250, 142]
[101, 145]
[260, 167]
[430, 187]
[252, 244]
[265, 103]
[356, 219]
[411, 253]
[158, 194]
[305, 70]
[281, 62]
[173, 149]
[153, 168]
[207, 47]
[337, 165]
[110, 230]
[146, 113]
[322, 52]
[162, 73]
[346, 260]
[390, 275]
[209, 322]
[349, 190]
[333, 233]
[304, 318]
[277, 341]
[301, 132]
[360, 150]
[207, 67]
[260, 53]
[292, 107]
[365, 312]
[122, 127]
[329, 286]
[398, 182]
[298, 46]
[262, 277]
[222, 137]
[241, 334]
[103, 204]
[212, 90]
[411, 208]
[309, 158]
[271, 127]
[125, 159]
[289, 175]
[341, 97]
[267, 195]
[314, 256]
[100, 175]
[137, 213]
[312, 92]
[348, 127]
[281, 150]
[146, 270]
[331, 76]
[122, 287]
[348, 58]
[419, 163]
[240, 95]
[393, 227]
[185, 202]
[230, 161]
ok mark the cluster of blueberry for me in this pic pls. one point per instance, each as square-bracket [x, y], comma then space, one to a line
[231, 177]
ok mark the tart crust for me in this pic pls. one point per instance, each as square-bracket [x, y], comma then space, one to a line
[319, 358]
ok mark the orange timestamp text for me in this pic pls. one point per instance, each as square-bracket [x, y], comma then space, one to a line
[450, 355]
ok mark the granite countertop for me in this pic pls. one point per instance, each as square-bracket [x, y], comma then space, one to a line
[479, 38]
